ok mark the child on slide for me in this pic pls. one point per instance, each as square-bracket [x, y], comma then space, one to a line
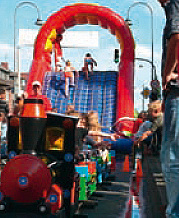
[88, 60]
[69, 76]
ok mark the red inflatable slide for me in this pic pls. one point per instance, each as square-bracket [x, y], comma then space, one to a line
[84, 13]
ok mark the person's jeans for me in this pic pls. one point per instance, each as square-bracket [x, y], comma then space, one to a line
[170, 153]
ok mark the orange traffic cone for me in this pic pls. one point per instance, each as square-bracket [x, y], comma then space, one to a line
[139, 172]
[126, 164]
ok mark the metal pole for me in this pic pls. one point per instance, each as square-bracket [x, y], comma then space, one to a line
[143, 98]
[15, 40]
[152, 44]
[18, 69]
[38, 19]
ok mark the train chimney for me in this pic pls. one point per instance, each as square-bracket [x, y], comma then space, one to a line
[32, 126]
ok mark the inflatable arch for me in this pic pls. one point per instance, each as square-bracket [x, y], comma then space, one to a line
[82, 13]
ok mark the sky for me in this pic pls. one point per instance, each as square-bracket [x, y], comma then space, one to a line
[104, 54]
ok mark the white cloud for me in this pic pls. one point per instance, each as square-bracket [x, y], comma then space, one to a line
[145, 51]
[7, 54]
[5, 47]
[25, 56]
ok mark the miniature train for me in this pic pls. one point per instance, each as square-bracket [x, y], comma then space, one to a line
[41, 176]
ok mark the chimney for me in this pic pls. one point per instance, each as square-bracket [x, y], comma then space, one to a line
[5, 65]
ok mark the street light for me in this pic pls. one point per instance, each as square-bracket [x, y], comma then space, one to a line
[153, 66]
[145, 91]
[129, 22]
[39, 22]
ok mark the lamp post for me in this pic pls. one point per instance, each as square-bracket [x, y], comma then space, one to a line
[39, 22]
[128, 21]
[143, 97]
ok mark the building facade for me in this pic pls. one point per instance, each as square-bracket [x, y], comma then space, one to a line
[8, 82]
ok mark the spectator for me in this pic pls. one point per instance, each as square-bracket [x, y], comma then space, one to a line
[4, 107]
[19, 105]
[54, 110]
[69, 76]
[94, 128]
[103, 152]
[153, 128]
[37, 93]
[71, 110]
[88, 60]
[145, 126]
[170, 84]
[94, 125]
[4, 111]
[143, 115]
[81, 130]
[85, 135]
[3, 135]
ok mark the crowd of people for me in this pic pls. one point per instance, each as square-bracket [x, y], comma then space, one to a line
[148, 127]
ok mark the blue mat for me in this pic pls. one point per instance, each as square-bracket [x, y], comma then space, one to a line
[96, 94]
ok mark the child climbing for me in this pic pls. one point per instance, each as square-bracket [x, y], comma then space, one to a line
[69, 76]
[88, 60]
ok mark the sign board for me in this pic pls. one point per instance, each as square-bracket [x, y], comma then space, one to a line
[146, 92]
[80, 39]
[27, 36]
[71, 39]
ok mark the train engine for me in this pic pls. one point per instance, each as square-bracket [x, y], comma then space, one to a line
[40, 177]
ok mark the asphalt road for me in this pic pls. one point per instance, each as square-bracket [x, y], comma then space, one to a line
[114, 199]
